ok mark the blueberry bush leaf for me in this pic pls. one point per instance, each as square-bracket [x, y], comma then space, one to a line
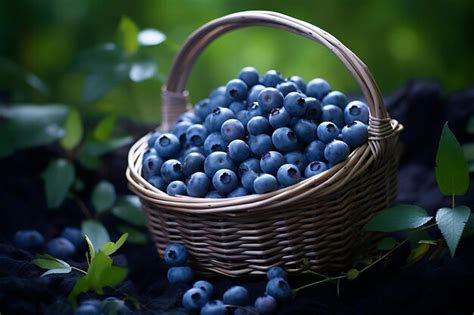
[128, 35]
[104, 128]
[128, 209]
[96, 232]
[58, 178]
[52, 264]
[417, 253]
[452, 173]
[74, 130]
[103, 196]
[398, 218]
[90, 253]
[110, 247]
[451, 222]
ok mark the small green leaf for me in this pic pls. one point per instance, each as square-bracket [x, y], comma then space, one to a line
[417, 253]
[135, 236]
[74, 130]
[398, 218]
[150, 37]
[57, 271]
[352, 274]
[91, 250]
[49, 262]
[110, 247]
[81, 286]
[103, 196]
[451, 222]
[58, 178]
[96, 232]
[386, 243]
[104, 128]
[128, 209]
[452, 173]
[128, 35]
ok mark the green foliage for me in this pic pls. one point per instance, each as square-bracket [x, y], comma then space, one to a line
[96, 232]
[52, 264]
[74, 130]
[104, 128]
[58, 178]
[103, 196]
[135, 236]
[401, 217]
[451, 222]
[128, 209]
[387, 243]
[127, 36]
[452, 172]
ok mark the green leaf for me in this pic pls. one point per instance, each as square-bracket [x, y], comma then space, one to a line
[74, 130]
[386, 243]
[102, 274]
[418, 253]
[98, 84]
[91, 250]
[128, 35]
[452, 173]
[110, 247]
[150, 37]
[128, 209]
[96, 232]
[104, 128]
[49, 262]
[57, 271]
[468, 229]
[398, 218]
[103, 196]
[81, 286]
[451, 222]
[58, 178]
[135, 236]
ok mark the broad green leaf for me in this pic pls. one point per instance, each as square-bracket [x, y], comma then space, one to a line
[81, 286]
[143, 70]
[49, 262]
[98, 84]
[102, 274]
[135, 236]
[114, 276]
[57, 271]
[96, 232]
[451, 222]
[110, 247]
[468, 229]
[58, 178]
[398, 218]
[103, 196]
[417, 253]
[128, 209]
[104, 128]
[74, 130]
[150, 37]
[452, 173]
[128, 35]
[91, 250]
[386, 243]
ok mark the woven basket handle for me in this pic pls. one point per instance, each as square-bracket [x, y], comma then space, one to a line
[174, 96]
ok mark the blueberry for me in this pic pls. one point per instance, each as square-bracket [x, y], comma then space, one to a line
[175, 255]
[336, 151]
[272, 78]
[299, 82]
[214, 142]
[335, 98]
[305, 130]
[61, 248]
[224, 181]
[243, 116]
[149, 152]
[73, 235]
[238, 192]
[207, 287]
[28, 239]
[202, 108]
[167, 145]
[315, 168]
[247, 180]
[314, 109]
[236, 295]
[188, 116]
[265, 183]
[158, 182]
[315, 151]
[270, 98]
[237, 106]
[279, 117]
[238, 150]
[284, 139]
[213, 194]
[236, 90]
[317, 88]
[192, 163]
[327, 131]
[152, 166]
[152, 139]
[295, 104]
[194, 299]
[254, 92]
[288, 174]
[198, 185]
[219, 91]
[249, 75]
[216, 161]
[265, 305]
[218, 117]
[356, 110]
[232, 129]
[258, 125]
[196, 134]
[179, 130]
[334, 114]
[255, 110]
[355, 134]
[276, 272]
[171, 170]
[287, 87]
[214, 307]
[271, 162]
[279, 289]
[298, 159]
[112, 305]
[251, 164]
[219, 101]
[260, 144]
[176, 187]
[247, 310]
[87, 309]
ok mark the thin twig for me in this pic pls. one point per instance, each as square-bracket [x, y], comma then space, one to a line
[79, 269]
[383, 256]
[319, 282]
[319, 274]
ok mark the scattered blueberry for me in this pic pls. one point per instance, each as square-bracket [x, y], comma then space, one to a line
[232, 129]
[198, 185]
[279, 289]
[265, 183]
[265, 305]
[194, 299]
[214, 307]
[327, 131]
[276, 272]
[61, 248]
[171, 170]
[175, 254]
[236, 295]
[336, 151]
[270, 98]
[206, 286]
[238, 150]
[180, 275]
[317, 88]
[236, 90]
[74, 235]
[356, 110]
[28, 239]
[225, 181]
[335, 98]
[315, 168]
[355, 134]
[271, 162]
[167, 145]
[288, 174]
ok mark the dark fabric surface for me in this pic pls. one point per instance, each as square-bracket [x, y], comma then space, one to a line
[442, 286]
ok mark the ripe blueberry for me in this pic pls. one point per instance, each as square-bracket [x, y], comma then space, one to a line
[214, 307]
[314, 109]
[254, 92]
[194, 299]
[279, 117]
[74, 235]
[296, 158]
[219, 101]
[255, 110]
[232, 129]
[198, 185]
[238, 192]
[218, 117]
[180, 275]
[243, 116]
[214, 142]
[271, 162]
[152, 139]
[172, 170]
[336, 151]
[305, 130]
[225, 181]
[276, 272]
[356, 110]
[152, 165]
[188, 116]
[237, 106]
[249, 75]
[270, 98]
[236, 90]
[299, 82]
[61, 248]
[295, 104]
[202, 108]
[265, 183]
[355, 134]
[327, 131]
[207, 287]
[158, 182]
[217, 161]
[175, 255]
[287, 87]
[236, 295]
[196, 134]
[258, 125]
[288, 174]
[193, 163]
[335, 98]
[179, 130]
[251, 164]
[260, 144]
[314, 168]
[265, 305]
[284, 139]
[334, 114]
[317, 88]
[247, 180]
[219, 91]
[167, 145]
[28, 239]
[272, 78]
[238, 150]
[176, 187]
[315, 151]
[279, 289]
[213, 194]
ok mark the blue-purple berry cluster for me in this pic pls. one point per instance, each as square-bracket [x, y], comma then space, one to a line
[281, 131]
[176, 256]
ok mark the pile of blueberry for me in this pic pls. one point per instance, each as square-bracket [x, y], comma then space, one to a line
[198, 298]
[62, 247]
[255, 135]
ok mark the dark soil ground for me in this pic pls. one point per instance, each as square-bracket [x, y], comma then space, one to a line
[441, 286]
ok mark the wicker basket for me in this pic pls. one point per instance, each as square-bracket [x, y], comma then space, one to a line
[318, 219]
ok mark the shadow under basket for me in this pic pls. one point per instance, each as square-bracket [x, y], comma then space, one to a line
[318, 220]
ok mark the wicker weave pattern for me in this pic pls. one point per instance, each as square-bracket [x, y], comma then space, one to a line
[318, 219]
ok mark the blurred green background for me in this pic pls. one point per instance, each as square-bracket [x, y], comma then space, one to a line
[398, 40]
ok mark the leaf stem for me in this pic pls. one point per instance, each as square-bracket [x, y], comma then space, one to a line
[79, 269]
[425, 227]
[453, 201]
[383, 256]
[318, 282]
